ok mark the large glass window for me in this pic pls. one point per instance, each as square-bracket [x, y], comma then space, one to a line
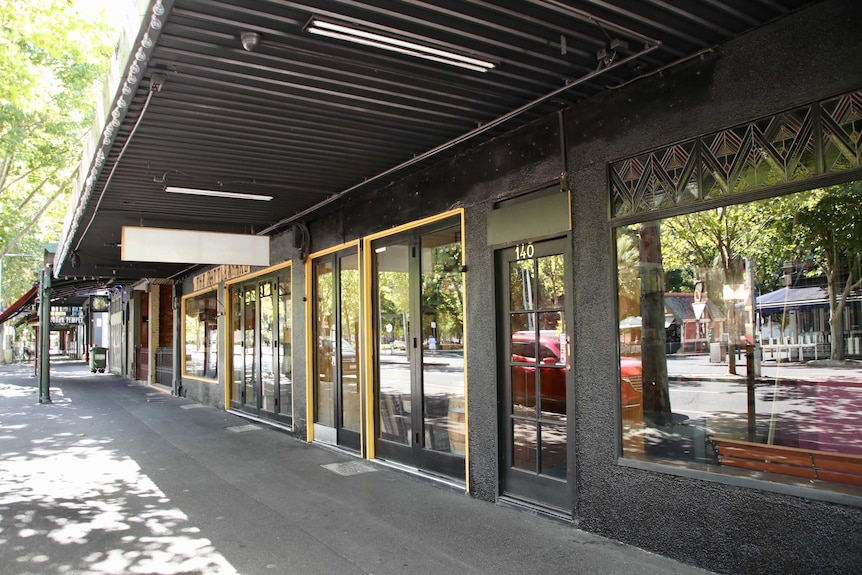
[201, 335]
[739, 334]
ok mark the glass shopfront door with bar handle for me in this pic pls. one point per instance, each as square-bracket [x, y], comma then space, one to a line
[419, 348]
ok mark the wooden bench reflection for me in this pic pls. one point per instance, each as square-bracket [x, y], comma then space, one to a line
[806, 463]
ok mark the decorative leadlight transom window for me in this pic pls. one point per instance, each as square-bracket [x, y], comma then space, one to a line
[793, 146]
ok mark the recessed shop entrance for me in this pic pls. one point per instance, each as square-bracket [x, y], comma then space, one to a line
[535, 376]
[419, 344]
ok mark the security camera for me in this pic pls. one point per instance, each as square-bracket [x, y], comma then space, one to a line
[250, 40]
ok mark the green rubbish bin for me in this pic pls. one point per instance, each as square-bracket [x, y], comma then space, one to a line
[98, 359]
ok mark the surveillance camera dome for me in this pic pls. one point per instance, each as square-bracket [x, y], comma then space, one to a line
[250, 40]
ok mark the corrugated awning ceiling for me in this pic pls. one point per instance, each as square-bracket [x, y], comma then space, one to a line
[306, 118]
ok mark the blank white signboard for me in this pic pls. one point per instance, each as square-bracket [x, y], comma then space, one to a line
[193, 247]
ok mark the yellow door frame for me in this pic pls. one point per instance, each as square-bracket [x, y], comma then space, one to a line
[369, 335]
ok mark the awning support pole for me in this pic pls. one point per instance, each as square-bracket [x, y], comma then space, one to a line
[45, 335]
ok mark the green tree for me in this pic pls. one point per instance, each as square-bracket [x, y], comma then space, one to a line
[442, 294]
[628, 277]
[827, 230]
[716, 243]
[51, 54]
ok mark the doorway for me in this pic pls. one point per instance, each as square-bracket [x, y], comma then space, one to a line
[536, 381]
[261, 328]
[336, 381]
[419, 348]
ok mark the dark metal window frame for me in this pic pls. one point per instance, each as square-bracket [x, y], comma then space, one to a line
[669, 181]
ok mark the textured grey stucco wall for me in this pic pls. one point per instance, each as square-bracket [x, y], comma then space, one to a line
[809, 56]
[283, 247]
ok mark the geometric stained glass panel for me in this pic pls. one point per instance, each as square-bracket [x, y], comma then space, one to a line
[789, 146]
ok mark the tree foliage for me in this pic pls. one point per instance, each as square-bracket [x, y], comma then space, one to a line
[442, 294]
[52, 53]
[819, 231]
[826, 231]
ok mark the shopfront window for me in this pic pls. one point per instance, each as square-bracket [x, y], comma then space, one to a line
[739, 335]
[201, 335]
[261, 335]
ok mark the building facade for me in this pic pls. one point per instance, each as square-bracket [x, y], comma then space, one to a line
[464, 322]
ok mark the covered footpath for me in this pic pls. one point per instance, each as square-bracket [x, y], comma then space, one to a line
[119, 477]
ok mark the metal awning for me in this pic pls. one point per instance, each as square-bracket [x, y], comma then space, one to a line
[312, 103]
[21, 305]
[796, 299]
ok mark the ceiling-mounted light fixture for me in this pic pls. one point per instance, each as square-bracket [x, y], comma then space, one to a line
[366, 38]
[217, 193]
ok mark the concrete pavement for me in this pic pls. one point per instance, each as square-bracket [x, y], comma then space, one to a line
[117, 477]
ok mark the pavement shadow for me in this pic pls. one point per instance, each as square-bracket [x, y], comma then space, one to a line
[72, 504]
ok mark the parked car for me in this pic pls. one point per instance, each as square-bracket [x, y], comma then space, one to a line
[547, 355]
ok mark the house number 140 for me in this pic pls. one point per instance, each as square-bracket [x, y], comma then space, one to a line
[524, 251]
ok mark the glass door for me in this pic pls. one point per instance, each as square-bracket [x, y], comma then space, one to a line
[419, 348]
[249, 355]
[268, 348]
[284, 346]
[261, 332]
[337, 386]
[536, 380]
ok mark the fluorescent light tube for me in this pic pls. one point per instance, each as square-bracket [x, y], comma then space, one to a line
[217, 194]
[366, 38]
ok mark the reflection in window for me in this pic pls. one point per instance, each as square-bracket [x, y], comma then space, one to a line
[236, 327]
[268, 359]
[201, 336]
[538, 365]
[740, 331]
[392, 264]
[443, 341]
[325, 333]
[285, 344]
[349, 361]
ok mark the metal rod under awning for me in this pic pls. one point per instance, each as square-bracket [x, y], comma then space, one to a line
[462, 138]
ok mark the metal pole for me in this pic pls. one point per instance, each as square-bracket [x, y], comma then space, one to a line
[178, 344]
[44, 335]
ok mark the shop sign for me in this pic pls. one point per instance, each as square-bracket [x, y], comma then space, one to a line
[67, 320]
[218, 275]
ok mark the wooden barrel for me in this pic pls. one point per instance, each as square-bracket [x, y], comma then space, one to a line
[457, 427]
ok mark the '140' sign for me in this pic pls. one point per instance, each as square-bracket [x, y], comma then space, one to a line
[524, 251]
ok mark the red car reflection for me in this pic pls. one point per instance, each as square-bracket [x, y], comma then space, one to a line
[552, 372]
